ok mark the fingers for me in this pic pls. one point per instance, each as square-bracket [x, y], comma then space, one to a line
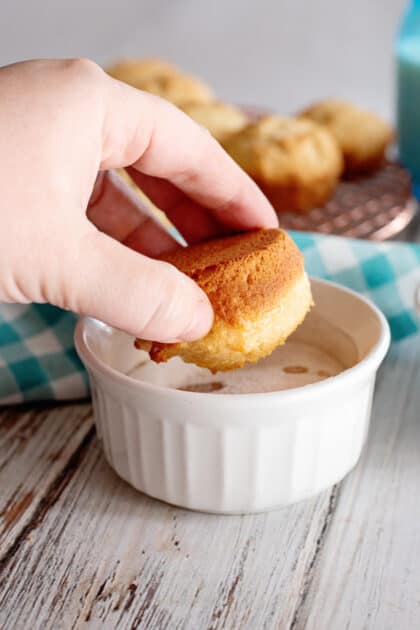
[193, 221]
[116, 210]
[146, 298]
[164, 194]
[159, 140]
[112, 207]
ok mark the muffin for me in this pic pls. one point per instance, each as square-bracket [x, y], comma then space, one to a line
[295, 162]
[221, 119]
[163, 79]
[363, 137]
[260, 293]
[178, 89]
[136, 71]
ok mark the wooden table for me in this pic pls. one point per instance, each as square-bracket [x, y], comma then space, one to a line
[79, 548]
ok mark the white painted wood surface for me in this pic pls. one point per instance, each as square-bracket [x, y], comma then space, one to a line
[368, 573]
[35, 447]
[80, 549]
[92, 552]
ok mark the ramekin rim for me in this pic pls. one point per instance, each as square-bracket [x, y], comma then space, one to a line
[369, 364]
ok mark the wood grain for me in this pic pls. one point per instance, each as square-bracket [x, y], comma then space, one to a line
[79, 548]
[107, 556]
[368, 572]
[37, 447]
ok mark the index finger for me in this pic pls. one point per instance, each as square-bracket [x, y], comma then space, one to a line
[158, 139]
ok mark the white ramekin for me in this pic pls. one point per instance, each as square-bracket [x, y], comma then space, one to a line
[238, 453]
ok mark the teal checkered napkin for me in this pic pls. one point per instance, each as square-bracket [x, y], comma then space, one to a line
[387, 273]
[38, 360]
[37, 356]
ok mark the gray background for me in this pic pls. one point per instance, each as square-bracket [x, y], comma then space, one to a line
[277, 53]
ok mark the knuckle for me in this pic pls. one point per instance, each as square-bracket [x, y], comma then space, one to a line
[82, 68]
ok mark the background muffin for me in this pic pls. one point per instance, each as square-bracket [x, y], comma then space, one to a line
[221, 119]
[295, 162]
[163, 79]
[136, 71]
[362, 136]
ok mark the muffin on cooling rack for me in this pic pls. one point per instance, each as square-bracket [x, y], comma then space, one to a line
[221, 119]
[163, 79]
[137, 71]
[296, 162]
[363, 137]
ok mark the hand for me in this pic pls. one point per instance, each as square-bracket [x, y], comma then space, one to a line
[62, 123]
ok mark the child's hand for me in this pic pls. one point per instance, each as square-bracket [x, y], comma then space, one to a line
[61, 122]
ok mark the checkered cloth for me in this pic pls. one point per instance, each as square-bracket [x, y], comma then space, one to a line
[37, 356]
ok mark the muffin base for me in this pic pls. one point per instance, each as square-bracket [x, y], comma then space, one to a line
[229, 347]
[297, 197]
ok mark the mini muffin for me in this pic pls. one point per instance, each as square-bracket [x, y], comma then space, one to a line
[294, 161]
[136, 71]
[260, 293]
[163, 79]
[363, 137]
[179, 89]
[221, 119]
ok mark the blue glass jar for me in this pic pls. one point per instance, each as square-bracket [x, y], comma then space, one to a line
[408, 89]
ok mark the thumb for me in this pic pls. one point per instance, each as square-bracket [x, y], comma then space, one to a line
[147, 298]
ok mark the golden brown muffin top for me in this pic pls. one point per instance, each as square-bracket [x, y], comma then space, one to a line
[361, 135]
[280, 149]
[136, 71]
[179, 88]
[221, 119]
[161, 78]
[244, 274]
[329, 112]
